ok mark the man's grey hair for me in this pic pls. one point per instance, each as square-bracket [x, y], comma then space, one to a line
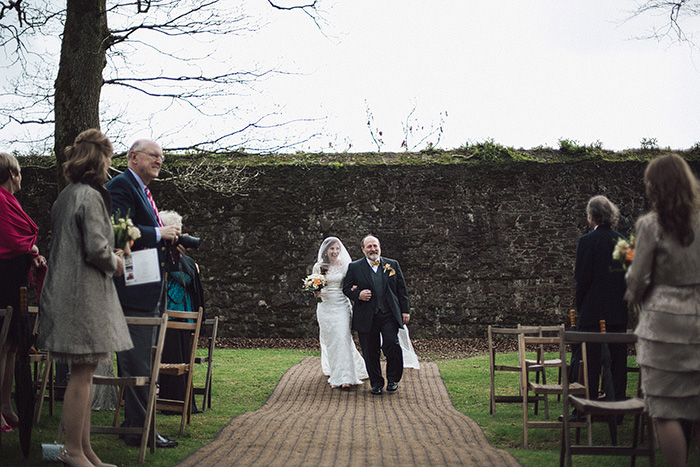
[139, 145]
[603, 211]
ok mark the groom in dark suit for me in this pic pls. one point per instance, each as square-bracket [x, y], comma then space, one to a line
[130, 194]
[380, 307]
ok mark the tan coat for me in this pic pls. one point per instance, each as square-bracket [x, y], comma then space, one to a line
[80, 311]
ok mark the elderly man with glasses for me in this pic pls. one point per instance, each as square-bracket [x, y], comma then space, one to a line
[130, 195]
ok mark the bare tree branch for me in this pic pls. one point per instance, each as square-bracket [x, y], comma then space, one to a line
[675, 12]
[154, 52]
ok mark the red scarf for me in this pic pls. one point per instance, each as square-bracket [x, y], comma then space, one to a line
[18, 233]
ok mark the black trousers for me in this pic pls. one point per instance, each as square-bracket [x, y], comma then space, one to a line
[384, 325]
[137, 362]
[618, 365]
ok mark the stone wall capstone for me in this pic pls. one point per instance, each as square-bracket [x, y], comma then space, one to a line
[479, 244]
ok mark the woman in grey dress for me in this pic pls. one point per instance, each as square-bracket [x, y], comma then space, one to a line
[81, 319]
[664, 281]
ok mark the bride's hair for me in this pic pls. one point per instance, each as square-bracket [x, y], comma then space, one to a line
[323, 262]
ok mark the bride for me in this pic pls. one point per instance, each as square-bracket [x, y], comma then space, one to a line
[340, 360]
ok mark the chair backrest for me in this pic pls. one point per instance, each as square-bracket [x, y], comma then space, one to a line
[187, 321]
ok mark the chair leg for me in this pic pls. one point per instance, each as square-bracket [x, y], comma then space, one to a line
[51, 388]
[612, 427]
[42, 372]
[546, 401]
[117, 409]
[635, 437]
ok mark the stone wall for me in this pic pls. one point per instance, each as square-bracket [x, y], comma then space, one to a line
[478, 243]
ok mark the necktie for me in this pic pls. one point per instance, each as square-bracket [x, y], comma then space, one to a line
[153, 205]
[374, 263]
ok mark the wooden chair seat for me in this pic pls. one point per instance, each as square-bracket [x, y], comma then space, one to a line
[173, 369]
[554, 389]
[633, 406]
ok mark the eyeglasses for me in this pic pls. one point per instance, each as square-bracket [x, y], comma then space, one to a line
[155, 156]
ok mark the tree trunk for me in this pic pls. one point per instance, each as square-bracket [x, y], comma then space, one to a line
[79, 81]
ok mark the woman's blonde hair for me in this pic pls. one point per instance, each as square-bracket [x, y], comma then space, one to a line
[85, 159]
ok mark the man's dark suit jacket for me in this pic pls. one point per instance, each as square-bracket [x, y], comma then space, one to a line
[600, 280]
[127, 196]
[395, 294]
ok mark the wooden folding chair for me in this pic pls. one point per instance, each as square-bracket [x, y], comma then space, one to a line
[148, 430]
[540, 361]
[191, 321]
[205, 391]
[561, 389]
[609, 409]
[496, 366]
[40, 361]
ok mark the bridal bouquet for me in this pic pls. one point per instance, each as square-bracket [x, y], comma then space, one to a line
[624, 251]
[314, 283]
[125, 232]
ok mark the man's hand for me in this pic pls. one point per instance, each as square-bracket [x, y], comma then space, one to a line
[406, 317]
[169, 232]
[365, 295]
[120, 265]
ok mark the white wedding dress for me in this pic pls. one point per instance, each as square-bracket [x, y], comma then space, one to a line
[340, 360]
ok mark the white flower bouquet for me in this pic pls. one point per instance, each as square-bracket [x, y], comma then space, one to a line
[125, 232]
[314, 283]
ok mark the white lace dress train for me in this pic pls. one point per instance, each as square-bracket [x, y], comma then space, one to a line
[410, 359]
[340, 360]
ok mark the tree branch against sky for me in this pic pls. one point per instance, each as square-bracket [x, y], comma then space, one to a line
[160, 57]
[677, 20]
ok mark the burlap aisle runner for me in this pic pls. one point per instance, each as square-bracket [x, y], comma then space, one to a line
[305, 422]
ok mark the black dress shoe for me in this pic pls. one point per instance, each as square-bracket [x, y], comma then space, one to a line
[162, 442]
[376, 390]
[391, 386]
[572, 418]
[165, 442]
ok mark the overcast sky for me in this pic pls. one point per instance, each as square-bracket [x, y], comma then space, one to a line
[524, 74]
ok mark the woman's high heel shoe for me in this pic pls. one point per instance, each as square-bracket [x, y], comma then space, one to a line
[10, 421]
[6, 428]
[66, 459]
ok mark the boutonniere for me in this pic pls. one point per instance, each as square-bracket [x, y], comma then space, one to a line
[388, 268]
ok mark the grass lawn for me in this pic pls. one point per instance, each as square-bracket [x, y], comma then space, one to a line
[244, 379]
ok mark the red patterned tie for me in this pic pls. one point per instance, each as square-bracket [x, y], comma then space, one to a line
[153, 205]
